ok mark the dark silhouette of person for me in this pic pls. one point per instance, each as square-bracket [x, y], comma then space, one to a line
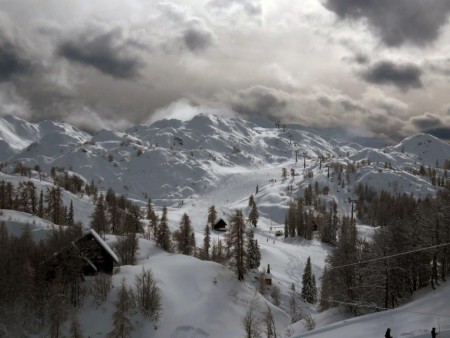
[434, 333]
[388, 333]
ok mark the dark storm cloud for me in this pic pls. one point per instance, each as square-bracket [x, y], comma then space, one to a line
[404, 76]
[442, 132]
[432, 124]
[259, 101]
[427, 121]
[397, 22]
[12, 62]
[107, 52]
[197, 39]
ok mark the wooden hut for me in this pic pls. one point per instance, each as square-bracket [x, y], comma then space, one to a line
[99, 257]
[220, 225]
[87, 255]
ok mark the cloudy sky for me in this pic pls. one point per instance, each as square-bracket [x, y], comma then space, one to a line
[378, 68]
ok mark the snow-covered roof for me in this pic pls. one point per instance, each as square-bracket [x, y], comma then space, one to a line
[104, 245]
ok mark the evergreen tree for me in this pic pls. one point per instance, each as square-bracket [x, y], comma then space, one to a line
[99, 222]
[184, 236]
[309, 292]
[40, 210]
[113, 212]
[206, 243]
[212, 215]
[133, 219]
[236, 244]
[284, 173]
[251, 201]
[122, 316]
[253, 252]
[254, 215]
[70, 221]
[163, 235]
[55, 207]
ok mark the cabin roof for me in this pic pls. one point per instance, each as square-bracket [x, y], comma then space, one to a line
[104, 245]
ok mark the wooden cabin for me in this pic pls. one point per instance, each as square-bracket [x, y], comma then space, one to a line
[87, 255]
[96, 253]
[220, 225]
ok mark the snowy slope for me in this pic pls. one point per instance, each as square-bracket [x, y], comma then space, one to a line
[416, 319]
[209, 160]
[199, 299]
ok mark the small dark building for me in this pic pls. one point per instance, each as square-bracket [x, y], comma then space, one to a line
[220, 225]
[98, 256]
[87, 255]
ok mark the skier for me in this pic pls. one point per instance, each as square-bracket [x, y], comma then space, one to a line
[434, 333]
[388, 333]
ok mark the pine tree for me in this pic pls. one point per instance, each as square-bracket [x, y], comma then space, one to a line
[163, 235]
[113, 212]
[133, 219]
[150, 212]
[122, 316]
[236, 244]
[184, 236]
[284, 173]
[254, 215]
[309, 292]
[40, 208]
[212, 215]
[253, 252]
[251, 201]
[70, 221]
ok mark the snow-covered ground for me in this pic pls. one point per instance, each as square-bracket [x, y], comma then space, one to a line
[221, 162]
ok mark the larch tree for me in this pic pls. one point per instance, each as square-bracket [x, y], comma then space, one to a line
[237, 244]
[122, 316]
[148, 295]
[251, 323]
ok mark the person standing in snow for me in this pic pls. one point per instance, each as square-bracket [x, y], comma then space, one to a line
[388, 333]
[434, 333]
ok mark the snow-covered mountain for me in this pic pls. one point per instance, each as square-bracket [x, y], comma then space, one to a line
[210, 160]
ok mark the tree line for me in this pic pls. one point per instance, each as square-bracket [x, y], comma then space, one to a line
[406, 224]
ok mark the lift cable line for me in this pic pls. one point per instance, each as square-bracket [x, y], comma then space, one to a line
[384, 308]
[386, 257]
